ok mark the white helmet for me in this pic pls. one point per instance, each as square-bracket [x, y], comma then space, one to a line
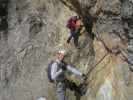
[62, 52]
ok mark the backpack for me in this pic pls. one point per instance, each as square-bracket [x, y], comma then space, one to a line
[49, 72]
[49, 67]
[71, 22]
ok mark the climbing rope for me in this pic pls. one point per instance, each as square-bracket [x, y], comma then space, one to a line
[97, 64]
[98, 38]
[119, 50]
[83, 86]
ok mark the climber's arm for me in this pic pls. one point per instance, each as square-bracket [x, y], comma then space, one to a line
[74, 70]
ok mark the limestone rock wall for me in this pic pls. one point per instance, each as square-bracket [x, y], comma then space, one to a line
[33, 30]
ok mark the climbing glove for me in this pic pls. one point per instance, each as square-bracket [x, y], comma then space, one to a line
[84, 77]
[63, 66]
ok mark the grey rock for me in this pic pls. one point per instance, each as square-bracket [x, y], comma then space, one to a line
[36, 30]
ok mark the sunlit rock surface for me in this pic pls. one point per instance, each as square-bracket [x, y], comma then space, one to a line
[31, 31]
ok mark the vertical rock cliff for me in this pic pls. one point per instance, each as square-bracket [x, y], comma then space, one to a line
[31, 31]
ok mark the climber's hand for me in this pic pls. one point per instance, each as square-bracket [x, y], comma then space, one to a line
[63, 66]
[84, 77]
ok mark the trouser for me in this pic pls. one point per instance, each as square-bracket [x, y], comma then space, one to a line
[75, 39]
[61, 88]
[75, 35]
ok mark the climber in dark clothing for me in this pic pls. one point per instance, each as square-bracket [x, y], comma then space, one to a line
[74, 24]
[57, 74]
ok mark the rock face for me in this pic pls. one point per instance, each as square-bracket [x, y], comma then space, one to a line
[31, 31]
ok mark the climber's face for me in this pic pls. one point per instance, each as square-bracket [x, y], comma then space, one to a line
[60, 56]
